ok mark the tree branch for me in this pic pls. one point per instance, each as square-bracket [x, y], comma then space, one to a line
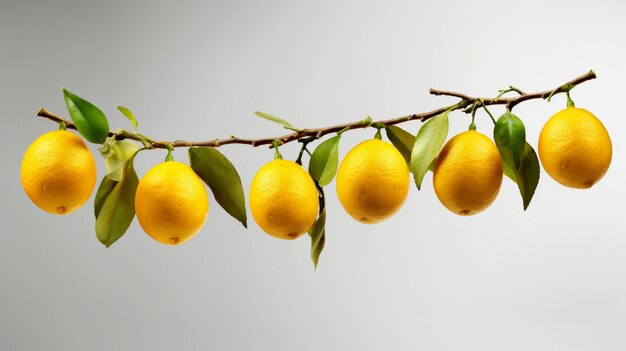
[465, 104]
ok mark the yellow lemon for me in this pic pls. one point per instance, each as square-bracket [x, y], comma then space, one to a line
[372, 181]
[283, 199]
[171, 203]
[58, 172]
[574, 148]
[468, 173]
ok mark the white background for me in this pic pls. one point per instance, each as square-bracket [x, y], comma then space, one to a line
[550, 278]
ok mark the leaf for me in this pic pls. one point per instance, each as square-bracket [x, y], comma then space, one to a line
[509, 134]
[528, 174]
[520, 162]
[402, 140]
[118, 152]
[90, 121]
[129, 114]
[428, 143]
[222, 178]
[509, 172]
[273, 119]
[105, 188]
[115, 205]
[324, 161]
[318, 237]
[432, 166]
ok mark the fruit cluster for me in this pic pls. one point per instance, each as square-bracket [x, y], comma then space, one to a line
[170, 201]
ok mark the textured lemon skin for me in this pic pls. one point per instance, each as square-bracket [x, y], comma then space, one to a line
[171, 203]
[575, 148]
[283, 199]
[58, 172]
[468, 173]
[372, 181]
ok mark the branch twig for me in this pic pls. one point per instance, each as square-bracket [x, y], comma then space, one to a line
[465, 104]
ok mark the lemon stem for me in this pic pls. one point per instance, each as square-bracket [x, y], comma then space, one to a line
[304, 142]
[277, 155]
[62, 125]
[570, 102]
[169, 156]
[378, 135]
[299, 159]
[472, 125]
[378, 127]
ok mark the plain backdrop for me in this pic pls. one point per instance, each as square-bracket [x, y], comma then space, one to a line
[550, 278]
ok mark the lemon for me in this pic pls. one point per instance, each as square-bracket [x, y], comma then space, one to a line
[468, 173]
[171, 203]
[283, 199]
[58, 172]
[372, 181]
[574, 148]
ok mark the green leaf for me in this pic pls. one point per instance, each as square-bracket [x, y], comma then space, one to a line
[402, 140]
[324, 161]
[115, 205]
[129, 114]
[274, 119]
[431, 168]
[520, 162]
[528, 174]
[222, 178]
[90, 121]
[509, 172]
[105, 188]
[509, 134]
[318, 237]
[116, 153]
[428, 143]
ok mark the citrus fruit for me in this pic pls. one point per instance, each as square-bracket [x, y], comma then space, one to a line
[58, 172]
[468, 173]
[171, 203]
[283, 199]
[372, 181]
[574, 148]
